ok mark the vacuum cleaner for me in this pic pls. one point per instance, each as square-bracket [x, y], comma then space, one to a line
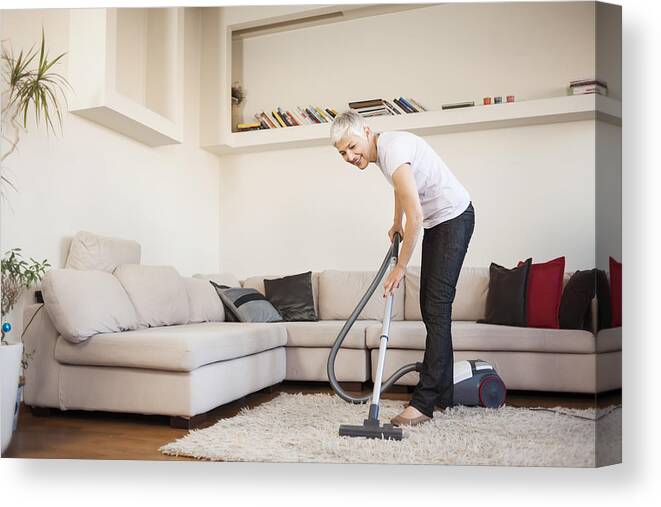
[476, 382]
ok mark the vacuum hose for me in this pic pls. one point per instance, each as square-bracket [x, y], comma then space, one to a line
[390, 260]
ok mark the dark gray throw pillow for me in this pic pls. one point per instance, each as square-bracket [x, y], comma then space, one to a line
[292, 297]
[506, 299]
[246, 305]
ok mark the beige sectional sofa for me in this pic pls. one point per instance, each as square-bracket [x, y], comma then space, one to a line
[176, 355]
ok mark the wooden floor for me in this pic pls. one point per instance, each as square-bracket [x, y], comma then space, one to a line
[103, 435]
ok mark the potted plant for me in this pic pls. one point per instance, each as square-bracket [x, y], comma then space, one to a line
[17, 276]
[238, 98]
[29, 82]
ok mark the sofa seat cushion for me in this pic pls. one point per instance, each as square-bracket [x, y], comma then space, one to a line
[173, 348]
[468, 335]
[324, 332]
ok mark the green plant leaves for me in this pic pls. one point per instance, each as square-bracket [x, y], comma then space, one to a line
[37, 88]
[17, 275]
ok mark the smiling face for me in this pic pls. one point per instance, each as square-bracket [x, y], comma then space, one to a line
[356, 150]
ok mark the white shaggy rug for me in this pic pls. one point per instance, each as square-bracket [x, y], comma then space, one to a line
[304, 428]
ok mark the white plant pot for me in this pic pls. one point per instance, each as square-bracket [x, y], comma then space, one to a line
[15, 318]
[10, 363]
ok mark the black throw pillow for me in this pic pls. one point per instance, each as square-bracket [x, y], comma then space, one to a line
[506, 299]
[603, 300]
[576, 298]
[292, 297]
[576, 303]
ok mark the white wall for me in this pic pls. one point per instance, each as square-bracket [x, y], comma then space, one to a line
[533, 187]
[293, 210]
[438, 54]
[92, 178]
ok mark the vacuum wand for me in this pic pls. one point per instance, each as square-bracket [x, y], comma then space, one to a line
[371, 427]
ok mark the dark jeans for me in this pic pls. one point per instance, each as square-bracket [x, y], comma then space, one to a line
[443, 250]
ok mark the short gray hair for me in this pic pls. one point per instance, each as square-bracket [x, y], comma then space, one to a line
[348, 122]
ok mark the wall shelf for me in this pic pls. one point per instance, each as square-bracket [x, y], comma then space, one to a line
[516, 114]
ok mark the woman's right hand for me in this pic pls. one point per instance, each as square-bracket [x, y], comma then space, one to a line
[395, 228]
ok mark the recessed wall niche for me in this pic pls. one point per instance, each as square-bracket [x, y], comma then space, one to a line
[126, 69]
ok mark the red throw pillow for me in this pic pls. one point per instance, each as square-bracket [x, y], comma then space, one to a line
[545, 293]
[615, 269]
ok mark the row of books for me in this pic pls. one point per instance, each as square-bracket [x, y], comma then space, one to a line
[583, 86]
[281, 118]
[381, 107]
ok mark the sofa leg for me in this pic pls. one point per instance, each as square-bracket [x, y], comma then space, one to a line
[351, 386]
[40, 411]
[186, 423]
[266, 390]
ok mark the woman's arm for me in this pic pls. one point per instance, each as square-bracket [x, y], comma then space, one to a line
[397, 219]
[407, 196]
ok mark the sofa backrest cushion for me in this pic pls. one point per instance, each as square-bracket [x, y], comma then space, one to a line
[203, 301]
[340, 292]
[90, 251]
[257, 282]
[469, 301]
[158, 294]
[84, 303]
[227, 279]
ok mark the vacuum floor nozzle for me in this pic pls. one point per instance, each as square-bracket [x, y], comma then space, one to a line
[371, 429]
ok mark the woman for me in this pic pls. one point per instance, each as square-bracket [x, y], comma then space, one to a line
[430, 197]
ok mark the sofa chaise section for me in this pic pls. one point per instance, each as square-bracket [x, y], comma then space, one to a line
[143, 339]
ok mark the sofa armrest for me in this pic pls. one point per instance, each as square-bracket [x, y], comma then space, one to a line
[43, 371]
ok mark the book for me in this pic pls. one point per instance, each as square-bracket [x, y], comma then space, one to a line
[244, 127]
[322, 114]
[408, 104]
[365, 103]
[305, 115]
[278, 119]
[580, 90]
[370, 109]
[284, 117]
[420, 108]
[263, 117]
[331, 113]
[377, 113]
[292, 120]
[312, 115]
[583, 82]
[299, 119]
[402, 106]
[457, 105]
[391, 107]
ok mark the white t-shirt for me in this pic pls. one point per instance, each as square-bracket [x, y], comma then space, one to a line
[441, 195]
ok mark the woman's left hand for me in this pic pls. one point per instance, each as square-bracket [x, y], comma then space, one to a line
[392, 280]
